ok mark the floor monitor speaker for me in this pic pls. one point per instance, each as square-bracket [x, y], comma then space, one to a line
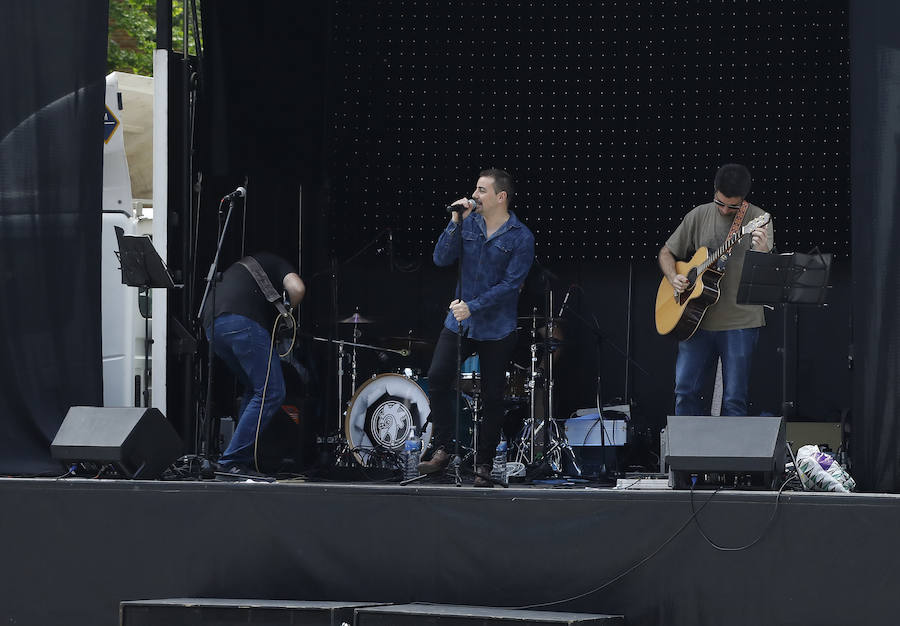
[139, 443]
[742, 452]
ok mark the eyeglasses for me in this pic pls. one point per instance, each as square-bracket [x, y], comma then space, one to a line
[735, 207]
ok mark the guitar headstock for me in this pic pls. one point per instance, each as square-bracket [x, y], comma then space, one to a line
[756, 222]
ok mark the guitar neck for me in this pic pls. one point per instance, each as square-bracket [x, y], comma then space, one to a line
[725, 247]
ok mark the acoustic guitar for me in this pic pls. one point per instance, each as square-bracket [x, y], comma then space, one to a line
[680, 314]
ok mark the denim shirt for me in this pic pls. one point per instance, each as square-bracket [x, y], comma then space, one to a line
[493, 272]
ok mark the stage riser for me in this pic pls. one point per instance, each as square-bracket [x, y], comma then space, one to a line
[444, 615]
[83, 546]
[175, 616]
[225, 612]
[206, 611]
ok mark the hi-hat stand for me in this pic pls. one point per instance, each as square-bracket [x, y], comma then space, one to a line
[544, 432]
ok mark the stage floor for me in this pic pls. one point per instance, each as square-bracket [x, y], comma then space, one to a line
[77, 547]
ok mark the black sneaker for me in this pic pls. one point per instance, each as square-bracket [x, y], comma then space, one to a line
[241, 472]
[209, 469]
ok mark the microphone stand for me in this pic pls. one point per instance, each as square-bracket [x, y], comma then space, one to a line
[603, 476]
[457, 478]
[207, 434]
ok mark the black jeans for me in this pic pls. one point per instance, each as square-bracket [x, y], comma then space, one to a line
[442, 377]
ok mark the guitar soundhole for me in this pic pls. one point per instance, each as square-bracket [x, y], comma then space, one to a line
[692, 280]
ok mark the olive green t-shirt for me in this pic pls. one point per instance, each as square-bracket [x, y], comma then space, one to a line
[704, 226]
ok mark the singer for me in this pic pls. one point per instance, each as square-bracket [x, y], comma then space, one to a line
[498, 251]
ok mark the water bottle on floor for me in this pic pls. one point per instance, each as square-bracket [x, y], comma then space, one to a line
[412, 452]
[498, 471]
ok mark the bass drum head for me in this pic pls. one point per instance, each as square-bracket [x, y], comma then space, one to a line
[379, 418]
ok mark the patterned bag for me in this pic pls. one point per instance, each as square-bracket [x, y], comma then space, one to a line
[819, 471]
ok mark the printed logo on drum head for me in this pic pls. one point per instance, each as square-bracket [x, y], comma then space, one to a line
[389, 420]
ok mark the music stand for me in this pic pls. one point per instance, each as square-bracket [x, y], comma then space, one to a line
[787, 279]
[142, 267]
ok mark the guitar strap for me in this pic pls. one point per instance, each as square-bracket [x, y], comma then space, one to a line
[735, 226]
[259, 275]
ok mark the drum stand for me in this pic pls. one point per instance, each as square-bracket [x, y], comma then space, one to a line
[554, 442]
[531, 429]
[458, 460]
[343, 453]
[476, 427]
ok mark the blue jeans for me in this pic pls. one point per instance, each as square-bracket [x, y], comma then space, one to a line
[698, 355]
[246, 347]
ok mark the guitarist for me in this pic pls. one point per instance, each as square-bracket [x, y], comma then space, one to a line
[728, 330]
[240, 331]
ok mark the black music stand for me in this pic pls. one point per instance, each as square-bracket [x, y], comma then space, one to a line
[786, 279]
[142, 267]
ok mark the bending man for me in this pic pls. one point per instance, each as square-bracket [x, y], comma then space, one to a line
[241, 335]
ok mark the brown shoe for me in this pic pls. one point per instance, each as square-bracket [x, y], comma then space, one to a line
[438, 463]
[484, 470]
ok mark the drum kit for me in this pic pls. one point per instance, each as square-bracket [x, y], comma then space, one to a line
[384, 409]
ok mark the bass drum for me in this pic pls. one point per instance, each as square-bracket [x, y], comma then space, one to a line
[379, 418]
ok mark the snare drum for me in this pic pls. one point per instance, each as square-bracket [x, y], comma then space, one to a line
[380, 416]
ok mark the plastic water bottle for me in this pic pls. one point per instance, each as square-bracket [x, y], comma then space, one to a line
[498, 471]
[412, 452]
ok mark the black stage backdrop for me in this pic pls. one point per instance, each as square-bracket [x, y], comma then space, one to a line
[876, 233]
[51, 149]
[612, 117]
[260, 124]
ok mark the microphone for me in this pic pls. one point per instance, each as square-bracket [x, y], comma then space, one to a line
[565, 300]
[240, 192]
[459, 208]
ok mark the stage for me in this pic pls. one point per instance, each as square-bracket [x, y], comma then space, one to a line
[75, 548]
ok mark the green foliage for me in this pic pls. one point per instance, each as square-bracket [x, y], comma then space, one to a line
[137, 19]
[132, 34]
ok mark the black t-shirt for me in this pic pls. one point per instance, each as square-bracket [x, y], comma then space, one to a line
[238, 292]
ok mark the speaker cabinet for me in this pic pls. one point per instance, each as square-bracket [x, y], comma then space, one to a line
[742, 452]
[139, 443]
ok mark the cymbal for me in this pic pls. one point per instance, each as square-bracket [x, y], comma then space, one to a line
[356, 318]
[408, 340]
[417, 346]
[539, 318]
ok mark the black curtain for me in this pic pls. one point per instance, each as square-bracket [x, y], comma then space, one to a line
[260, 124]
[53, 60]
[875, 166]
